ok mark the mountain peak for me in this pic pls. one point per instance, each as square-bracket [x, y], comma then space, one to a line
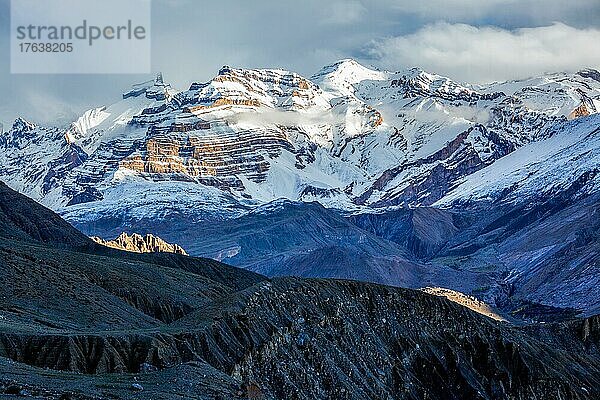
[347, 62]
[22, 125]
[349, 68]
[342, 75]
[155, 89]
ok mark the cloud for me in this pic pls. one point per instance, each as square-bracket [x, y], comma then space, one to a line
[286, 118]
[345, 12]
[191, 40]
[471, 114]
[507, 13]
[483, 54]
[439, 114]
[47, 108]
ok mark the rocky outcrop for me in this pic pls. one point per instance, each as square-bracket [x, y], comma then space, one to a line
[584, 109]
[470, 302]
[223, 157]
[140, 244]
[156, 89]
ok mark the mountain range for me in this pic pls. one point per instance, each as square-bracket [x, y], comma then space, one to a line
[404, 178]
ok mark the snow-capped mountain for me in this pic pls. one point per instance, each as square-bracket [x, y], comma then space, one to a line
[224, 168]
[348, 137]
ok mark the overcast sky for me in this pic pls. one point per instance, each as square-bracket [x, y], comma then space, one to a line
[468, 40]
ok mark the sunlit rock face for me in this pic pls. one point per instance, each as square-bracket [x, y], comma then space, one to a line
[140, 244]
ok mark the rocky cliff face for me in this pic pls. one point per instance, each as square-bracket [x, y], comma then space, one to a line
[141, 244]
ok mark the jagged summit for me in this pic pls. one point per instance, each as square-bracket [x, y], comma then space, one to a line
[347, 65]
[345, 76]
[22, 125]
[155, 89]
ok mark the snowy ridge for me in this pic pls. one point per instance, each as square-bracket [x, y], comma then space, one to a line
[539, 169]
